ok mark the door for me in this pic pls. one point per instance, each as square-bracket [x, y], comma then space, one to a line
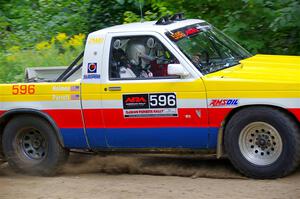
[144, 106]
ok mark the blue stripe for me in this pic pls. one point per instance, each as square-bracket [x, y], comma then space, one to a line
[213, 138]
[96, 137]
[193, 138]
[74, 138]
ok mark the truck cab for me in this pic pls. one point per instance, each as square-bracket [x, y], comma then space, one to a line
[169, 86]
[149, 95]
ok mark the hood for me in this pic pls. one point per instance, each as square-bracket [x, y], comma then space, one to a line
[260, 72]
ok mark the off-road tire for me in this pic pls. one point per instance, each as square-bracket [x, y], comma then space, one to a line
[285, 125]
[50, 156]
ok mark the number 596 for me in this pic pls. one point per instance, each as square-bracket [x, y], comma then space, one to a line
[23, 89]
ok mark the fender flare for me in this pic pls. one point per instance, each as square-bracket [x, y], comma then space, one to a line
[22, 111]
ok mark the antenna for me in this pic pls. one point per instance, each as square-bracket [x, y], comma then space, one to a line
[141, 9]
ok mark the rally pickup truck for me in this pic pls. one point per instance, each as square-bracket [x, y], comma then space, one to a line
[172, 86]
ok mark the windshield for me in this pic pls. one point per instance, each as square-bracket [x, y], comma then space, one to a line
[208, 48]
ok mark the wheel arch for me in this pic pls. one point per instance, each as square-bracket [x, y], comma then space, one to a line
[221, 134]
[7, 116]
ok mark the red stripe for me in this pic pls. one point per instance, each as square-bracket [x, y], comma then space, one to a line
[296, 112]
[217, 116]
[187, 117]
[94, 118]
[1, 112]
[114, 118]
[66, 118]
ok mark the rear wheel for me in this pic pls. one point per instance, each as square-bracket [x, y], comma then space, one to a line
[31, 146]
[263, 142]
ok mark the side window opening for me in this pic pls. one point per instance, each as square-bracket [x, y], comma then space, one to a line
[139, 57]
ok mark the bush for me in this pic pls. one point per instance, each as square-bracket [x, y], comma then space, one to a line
[35, 33]
[59, 51]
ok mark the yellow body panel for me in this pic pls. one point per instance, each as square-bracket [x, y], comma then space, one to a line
[42, 92]
[261, 76]
[184, 90]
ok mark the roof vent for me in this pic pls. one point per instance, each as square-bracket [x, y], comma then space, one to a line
[165, 20]
[178, 17]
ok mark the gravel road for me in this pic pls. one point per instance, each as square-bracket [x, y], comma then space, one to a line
[145, 177]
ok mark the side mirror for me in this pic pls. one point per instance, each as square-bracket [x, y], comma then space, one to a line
[177, 69]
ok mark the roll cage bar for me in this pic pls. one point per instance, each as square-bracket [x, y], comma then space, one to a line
[71, 69]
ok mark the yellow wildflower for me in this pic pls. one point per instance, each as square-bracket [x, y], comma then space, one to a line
[43, 45]
[76, 40]
[80, 37]
[61, 37]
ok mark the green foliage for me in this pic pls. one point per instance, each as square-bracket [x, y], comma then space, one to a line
[29, 28]
[27, 22]
[152, 11]
[59, 51]
[104, 13]
[261, 26]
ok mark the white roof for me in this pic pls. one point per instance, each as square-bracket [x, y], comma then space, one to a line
[148, 26]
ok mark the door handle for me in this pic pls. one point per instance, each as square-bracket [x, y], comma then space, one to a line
[115, 88]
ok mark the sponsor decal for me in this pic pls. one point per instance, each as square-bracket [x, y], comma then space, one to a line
[60, 88]
[191, 31]
[74, 88]
[224, 102]
[65, 97]
[150, 105]
[91, 76]
[65, 88]
[95, 40]
[75, 97]
[177, 35]
[135, 101]
[60, 97]
[92, 68]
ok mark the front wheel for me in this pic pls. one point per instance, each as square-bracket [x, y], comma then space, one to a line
[30, 145]
[263, 142]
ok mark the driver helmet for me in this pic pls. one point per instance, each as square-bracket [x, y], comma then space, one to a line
[137, 53]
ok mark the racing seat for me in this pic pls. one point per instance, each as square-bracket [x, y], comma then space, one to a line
[120, 68]
[159, 70]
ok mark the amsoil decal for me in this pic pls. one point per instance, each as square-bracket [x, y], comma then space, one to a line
[150, 105]
[223, 102]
